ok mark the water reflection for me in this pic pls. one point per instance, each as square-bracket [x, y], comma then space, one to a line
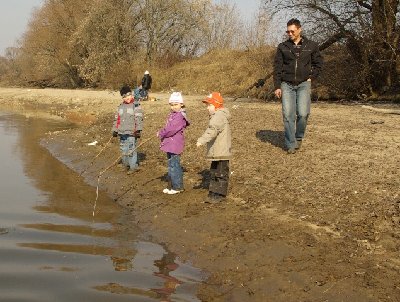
[166, 266]
[56, 250]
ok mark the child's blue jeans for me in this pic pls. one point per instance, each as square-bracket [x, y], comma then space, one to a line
[175, 172]
[127, 144]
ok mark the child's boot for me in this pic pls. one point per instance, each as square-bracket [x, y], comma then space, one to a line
[214, 198]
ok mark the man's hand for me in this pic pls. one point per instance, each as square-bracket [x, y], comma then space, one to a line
[278, 93]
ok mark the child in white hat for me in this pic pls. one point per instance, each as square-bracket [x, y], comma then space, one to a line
[173, 142]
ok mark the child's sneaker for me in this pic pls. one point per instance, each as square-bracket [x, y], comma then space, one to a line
[172, 191]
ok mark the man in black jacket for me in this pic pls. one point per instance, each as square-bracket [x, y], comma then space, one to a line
[297, 63]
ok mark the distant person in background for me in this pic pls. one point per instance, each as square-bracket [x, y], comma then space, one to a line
[146, 84]
[128, 125]
[297, 62]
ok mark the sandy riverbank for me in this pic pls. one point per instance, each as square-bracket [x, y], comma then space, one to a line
[319, 225]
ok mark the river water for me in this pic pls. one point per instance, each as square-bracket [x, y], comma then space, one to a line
[53, 249]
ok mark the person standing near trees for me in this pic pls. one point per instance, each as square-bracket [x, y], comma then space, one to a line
[146, 84]
[297, 62]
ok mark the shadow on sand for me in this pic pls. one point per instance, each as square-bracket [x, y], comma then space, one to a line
[205, 181]
[273, 137]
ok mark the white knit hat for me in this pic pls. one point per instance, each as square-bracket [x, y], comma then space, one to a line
[146, 72]
[176, 97]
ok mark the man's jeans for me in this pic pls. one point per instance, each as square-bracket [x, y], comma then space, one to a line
[175, 172]
[127, 144]
[296, 101]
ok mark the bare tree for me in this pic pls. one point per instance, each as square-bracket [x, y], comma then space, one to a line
[256, 33]
[9, 69]
[224, 26]
[45, 55]
[171, 27]
[369, 28]
[106, 38]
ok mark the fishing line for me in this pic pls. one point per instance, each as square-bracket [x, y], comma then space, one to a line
[112, 165]
[94, 158]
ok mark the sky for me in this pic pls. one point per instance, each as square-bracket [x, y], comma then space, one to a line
[247, 8]
[15, 15]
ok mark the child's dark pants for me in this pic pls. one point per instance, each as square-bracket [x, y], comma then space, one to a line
[219, 172]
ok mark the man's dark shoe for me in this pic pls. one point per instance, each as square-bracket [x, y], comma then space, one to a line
[298, 144]
[291, 151]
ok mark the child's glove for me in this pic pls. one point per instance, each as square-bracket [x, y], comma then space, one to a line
[259, 83]
[198, 144]
[115, 134]
[137, 134]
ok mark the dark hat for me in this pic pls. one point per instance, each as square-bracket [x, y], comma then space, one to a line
[125, 90]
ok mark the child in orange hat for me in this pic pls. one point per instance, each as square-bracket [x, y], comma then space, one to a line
[218, 139]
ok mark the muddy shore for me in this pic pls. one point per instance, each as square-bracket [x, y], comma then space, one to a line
[319, 225]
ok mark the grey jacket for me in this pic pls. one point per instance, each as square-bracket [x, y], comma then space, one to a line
[218, 136]
[129, 119]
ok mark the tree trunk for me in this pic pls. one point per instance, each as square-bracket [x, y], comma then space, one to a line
[383, 50]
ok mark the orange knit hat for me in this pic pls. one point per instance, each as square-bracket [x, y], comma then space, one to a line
[216, 99]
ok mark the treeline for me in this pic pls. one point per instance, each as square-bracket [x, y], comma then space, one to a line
[79, 43]
[197, 46]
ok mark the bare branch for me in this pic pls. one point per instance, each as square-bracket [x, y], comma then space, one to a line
[365, 5]
[333, 39]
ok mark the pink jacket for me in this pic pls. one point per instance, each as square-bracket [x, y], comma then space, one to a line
[172, 136]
